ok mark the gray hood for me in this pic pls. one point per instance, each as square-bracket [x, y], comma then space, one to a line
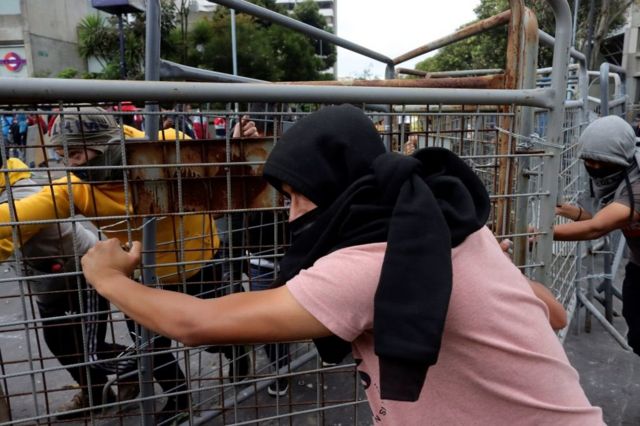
[609, 139]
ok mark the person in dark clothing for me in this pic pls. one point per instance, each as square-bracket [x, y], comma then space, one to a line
[608, 149]
[636, 126]
[49, 252]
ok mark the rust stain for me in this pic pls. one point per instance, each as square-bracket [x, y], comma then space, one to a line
[505, 146]
[461, 34]
[494, 81]
[203, 187]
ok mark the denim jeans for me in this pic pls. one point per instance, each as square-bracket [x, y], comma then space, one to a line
[261, 278]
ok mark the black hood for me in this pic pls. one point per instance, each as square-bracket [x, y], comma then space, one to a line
[324, 153]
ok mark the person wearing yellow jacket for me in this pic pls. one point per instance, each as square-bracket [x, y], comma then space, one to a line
[88, 140]
[46, 252]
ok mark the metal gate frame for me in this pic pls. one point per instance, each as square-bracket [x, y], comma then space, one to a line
[518, 77]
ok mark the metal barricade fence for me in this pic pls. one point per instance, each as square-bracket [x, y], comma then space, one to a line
[601, 259]
[471, 134]
[225, 385]
[211, 226]
[253, 238]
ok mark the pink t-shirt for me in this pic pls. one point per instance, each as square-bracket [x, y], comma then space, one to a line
[500, 362]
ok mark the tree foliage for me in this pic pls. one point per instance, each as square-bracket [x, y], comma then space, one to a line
[487, 50]
[99, 37]
[265, 51]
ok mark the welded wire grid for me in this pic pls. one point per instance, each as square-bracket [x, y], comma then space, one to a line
[507, 162]
[572, 187]
[513, 177]
[225, 385]
[228, 385]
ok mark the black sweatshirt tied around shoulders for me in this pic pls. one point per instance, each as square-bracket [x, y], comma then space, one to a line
[422, 206]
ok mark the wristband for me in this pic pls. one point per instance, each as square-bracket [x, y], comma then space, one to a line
[579, 214]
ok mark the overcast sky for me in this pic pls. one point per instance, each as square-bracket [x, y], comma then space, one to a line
[395, 27]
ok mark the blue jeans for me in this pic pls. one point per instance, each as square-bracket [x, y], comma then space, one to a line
[261, 278]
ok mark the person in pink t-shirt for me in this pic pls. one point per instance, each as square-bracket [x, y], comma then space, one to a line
[391, 261]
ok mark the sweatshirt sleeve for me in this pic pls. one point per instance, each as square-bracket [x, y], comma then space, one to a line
[52, 202]
[6, 249]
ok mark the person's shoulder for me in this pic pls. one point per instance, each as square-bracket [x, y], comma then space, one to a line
[372, 252]
[480, 252]
[482, 238]
[622, 195]
[361, 263]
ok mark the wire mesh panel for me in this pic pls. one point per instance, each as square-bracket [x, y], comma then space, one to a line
[219, 230]
[572, 185]
[506, 162]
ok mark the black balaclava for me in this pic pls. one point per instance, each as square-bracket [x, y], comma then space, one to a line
[90, 128]
[422, 206]
[111, 156]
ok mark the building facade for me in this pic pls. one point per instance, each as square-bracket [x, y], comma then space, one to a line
[631, 57]
[39, 38]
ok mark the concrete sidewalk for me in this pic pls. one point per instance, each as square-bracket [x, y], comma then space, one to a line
[609, 375]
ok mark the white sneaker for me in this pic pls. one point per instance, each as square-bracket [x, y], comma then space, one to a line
[280, 387]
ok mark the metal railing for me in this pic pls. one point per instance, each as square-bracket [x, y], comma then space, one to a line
[519, 138]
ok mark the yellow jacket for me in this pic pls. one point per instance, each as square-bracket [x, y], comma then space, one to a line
[6, 244]
[101, 203]
[163, 134]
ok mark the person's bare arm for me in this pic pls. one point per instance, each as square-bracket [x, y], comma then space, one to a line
[266, 316]
[50, 203]
[557, 314]
[573, 212]
[613, 216]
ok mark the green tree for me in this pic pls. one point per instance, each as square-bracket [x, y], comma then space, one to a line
[487, 50]
[308, 12]
[98, 37]
[210, 44]
[68, 73]
[265, 51]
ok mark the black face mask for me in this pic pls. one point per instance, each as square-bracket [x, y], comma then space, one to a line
[304, 222]
[603, 172]
[82, 174]
[112, 156]
[605, 181]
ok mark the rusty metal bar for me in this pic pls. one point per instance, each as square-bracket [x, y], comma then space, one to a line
[524, 126]
[410, 71]
[466, 32]
[440, 74]
[480, 82]
[505, 143]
